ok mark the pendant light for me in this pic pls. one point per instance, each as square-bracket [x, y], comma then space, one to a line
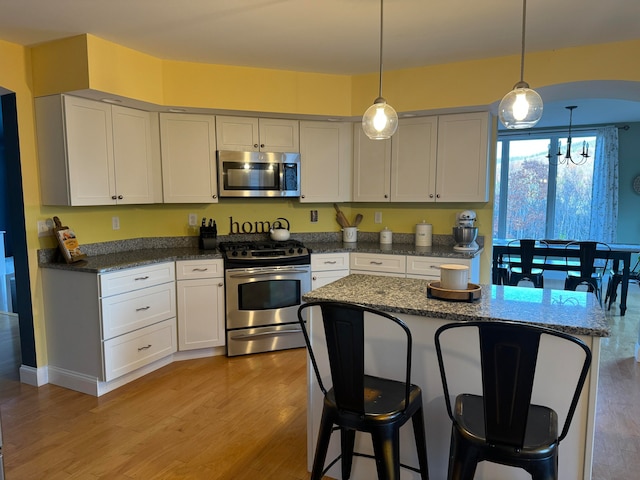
[380, 121]
[522, 106]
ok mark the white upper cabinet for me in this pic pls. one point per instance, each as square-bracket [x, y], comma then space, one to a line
[429, 159]
[188, 144]
[93, 153]
[463, 152]
[257, 134]
[326, 150]
[413, 160]
[371, 168]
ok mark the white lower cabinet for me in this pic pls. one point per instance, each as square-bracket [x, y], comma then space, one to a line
[327, 268]
[200, 293]
[378, 264]
[428, 268]
[103, 327]
[128, 352]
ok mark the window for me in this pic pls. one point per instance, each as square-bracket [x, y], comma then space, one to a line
[535, 197]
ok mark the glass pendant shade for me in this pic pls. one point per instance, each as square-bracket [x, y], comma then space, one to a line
[521, 107]
[380, 121]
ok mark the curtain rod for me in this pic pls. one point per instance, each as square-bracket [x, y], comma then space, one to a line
[534, 131]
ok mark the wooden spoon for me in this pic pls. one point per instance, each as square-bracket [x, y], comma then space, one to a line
[342, 221]
[357, 220]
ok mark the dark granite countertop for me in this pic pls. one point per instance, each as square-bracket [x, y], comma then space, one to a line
[446, 251]
[577, 313]
[133, 258]
[118, 255]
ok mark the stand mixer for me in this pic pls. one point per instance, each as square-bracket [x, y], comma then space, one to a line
[465, 233]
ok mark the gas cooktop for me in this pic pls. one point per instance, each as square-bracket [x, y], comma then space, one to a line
[264, 253]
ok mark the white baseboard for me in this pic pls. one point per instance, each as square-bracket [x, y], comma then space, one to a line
[95, 387]
[34, 376]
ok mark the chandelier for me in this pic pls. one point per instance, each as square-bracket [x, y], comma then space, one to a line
[562, 158]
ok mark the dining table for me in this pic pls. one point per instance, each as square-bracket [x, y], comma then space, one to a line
[560, 257]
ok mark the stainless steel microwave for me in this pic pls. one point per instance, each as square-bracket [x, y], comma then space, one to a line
[258, 174]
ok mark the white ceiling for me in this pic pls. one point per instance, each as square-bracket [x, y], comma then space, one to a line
[333, 36]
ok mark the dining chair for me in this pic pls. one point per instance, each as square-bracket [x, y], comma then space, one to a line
[523, 265]
[360, 402]
[614, 281]
[590, 269]
[501, 425]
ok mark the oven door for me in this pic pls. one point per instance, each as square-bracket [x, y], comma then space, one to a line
[257, 297]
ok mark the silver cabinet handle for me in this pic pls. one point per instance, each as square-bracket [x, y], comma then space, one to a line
[329, 262]
[141, 309]
[144, 348]
[375, 263]
[200, 269]
[221, 284]
[142, 278]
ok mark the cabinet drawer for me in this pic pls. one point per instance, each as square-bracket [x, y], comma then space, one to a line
[329, 261]
[378, 263]
[191, 269]
[130, 311]
[129, 352]
[113, 283]
[430, 266]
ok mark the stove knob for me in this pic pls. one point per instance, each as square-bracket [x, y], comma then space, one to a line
[234, 253]
[299, 249]
[291, 251]
[245, 253]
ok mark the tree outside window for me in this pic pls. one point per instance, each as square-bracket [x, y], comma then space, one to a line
[535, 198]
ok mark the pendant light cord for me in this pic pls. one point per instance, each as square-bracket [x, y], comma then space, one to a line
[524, 23]
[381, 24]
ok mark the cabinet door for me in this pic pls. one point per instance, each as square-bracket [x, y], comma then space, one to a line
[89, 138]
[320, 279]
[279, 135]
[462, 172]
[237, 133]
[371, 168]
[188, 146]
[137, 158]
[325, 153]
[200, 313]
[413, 160]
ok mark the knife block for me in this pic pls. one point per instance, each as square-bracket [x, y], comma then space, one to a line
[208, 238]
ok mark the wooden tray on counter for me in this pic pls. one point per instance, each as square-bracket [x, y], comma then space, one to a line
[473, 292]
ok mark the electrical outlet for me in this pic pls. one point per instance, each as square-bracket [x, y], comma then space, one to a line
[45, 228]
[377, 217]
[314, 216]
[115, 223]
[193, 220]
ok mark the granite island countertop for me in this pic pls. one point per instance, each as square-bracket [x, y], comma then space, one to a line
[576, 313]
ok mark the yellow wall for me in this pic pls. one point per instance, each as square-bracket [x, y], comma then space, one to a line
[88, 62]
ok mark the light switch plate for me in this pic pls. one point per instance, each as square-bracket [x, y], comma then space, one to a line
[193, 220]
[115, 223]
[377, 217]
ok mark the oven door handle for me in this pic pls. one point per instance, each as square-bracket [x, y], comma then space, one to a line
[263, 273]
[273, 333]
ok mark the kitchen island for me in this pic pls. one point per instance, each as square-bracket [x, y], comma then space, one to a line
[577, 313]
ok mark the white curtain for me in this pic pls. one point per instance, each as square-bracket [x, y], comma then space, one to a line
[604, 200]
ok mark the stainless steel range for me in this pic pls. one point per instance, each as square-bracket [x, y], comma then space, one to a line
[265, 282]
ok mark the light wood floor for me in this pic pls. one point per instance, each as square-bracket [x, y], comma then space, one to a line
[242, 419]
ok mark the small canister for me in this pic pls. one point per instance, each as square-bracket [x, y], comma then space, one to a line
[386, 236]
[423, 234]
